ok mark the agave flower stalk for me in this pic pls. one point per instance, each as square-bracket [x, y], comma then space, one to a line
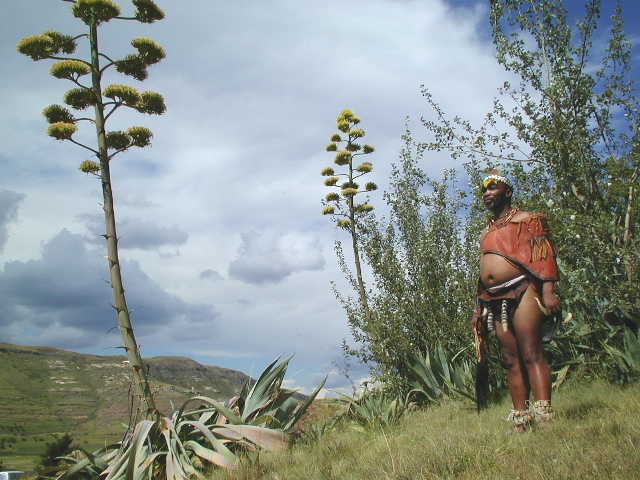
[64, 124]
[342, 205]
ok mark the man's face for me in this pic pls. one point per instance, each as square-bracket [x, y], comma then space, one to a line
[496, 195]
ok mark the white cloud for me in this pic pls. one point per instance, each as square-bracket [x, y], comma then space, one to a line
[267, 257]
[9, 202]
[210, 275]
[136, 233]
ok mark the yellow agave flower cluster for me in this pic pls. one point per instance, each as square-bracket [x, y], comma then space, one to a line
[347, 123]
[135, 65]
[49, 43]
[104, 10]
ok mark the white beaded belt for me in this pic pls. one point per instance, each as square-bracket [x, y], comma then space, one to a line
[507, 284]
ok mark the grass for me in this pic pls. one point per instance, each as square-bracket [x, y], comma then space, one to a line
[596, 435]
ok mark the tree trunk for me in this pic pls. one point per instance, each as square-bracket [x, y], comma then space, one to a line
[120, 304]
[626, 239]
[627, 217]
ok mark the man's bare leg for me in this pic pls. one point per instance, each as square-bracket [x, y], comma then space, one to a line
[517, 377]
[527, 322]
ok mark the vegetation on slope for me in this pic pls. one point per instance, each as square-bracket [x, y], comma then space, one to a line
[47, 391]
[594, 436]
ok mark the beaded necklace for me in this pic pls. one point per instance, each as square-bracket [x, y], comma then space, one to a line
[495, 223]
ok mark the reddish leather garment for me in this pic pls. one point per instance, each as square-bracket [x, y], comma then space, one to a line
[525, 242]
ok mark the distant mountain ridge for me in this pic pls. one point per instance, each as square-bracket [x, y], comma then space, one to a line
[46, 390]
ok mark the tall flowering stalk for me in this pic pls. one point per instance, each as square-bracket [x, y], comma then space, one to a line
[341, 203]
[63, 123]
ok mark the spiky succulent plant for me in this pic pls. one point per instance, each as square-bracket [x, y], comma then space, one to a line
[202, 434]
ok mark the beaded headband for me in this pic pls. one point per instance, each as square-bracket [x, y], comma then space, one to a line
[495, 178]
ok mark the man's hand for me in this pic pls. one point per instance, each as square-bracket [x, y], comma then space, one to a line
[549, 297]
[475, 319]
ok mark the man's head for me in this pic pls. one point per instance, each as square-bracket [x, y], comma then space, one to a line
[496, 191]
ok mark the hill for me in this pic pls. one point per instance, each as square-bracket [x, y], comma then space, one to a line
[47, 391]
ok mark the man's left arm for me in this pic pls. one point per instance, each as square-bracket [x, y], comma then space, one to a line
[549, 297]
[544, 259]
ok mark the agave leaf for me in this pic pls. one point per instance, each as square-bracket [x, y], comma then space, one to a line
[265, 390]
[210, 455]
[284, 414]
[246, 445]
[288, 406]
[631, 344]
[263, 437]
[196, 414]
[172, 465]
[95, 462]
[376, 408]
[152, 458]
[79, 465]
[616, 354]
[216, 444]
[443, 362]
[169, 465]
[206, 416]
[281, 406]
[456, 376]
[119, 467]
[221, 420]
[464, 393]
[227, 434]
[186, 464]
[101, 457]
[301, 409]
[265, 419]
[177, 459]
[244, 391]
[138, 447]
[119, 463]
[227, 412]
[430, 368]
[429, 373]
[250, 388]
[427, 392]
[424, 380]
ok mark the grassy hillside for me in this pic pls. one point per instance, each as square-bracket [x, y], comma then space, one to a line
[596, 435]
[46, 391]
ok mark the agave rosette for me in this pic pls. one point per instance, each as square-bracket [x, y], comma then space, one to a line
[203, 431]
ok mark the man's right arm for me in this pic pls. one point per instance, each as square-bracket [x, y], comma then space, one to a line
[475, 317]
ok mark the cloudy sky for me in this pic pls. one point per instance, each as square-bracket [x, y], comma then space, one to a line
[226, 257]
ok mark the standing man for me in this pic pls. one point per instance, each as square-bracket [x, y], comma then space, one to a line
[516, 291]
